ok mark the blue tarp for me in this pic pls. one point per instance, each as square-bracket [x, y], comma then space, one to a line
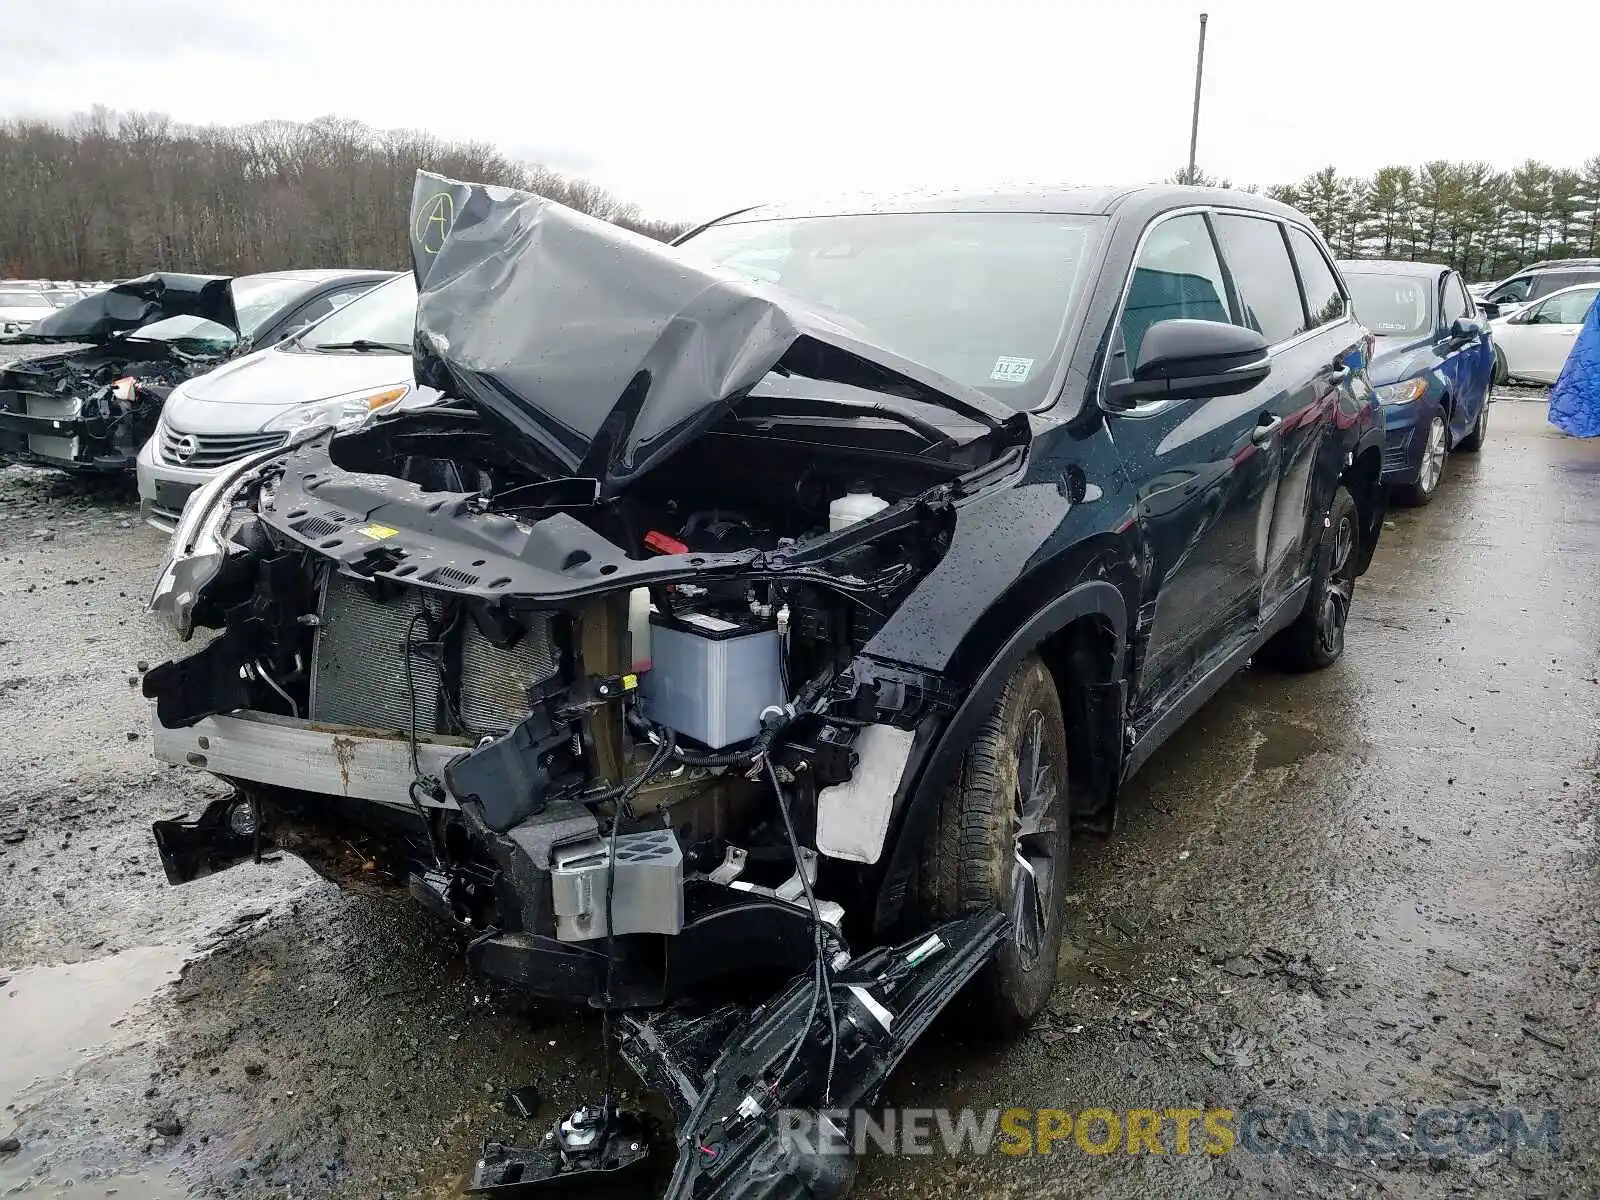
[1575, 399]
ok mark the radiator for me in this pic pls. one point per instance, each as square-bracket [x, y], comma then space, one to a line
[495, 680]
[358, 674]
[58, 408]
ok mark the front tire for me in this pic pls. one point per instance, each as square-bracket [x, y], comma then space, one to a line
[1435, 449]
[1502, 373]
[1001, 839]
[1316, 639]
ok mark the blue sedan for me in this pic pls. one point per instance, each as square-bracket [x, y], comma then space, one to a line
[1432, 366]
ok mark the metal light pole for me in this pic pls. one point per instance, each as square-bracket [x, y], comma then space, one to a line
[1194, 123]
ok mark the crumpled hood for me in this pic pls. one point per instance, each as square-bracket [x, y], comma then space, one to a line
[603, 351]
[125, 307]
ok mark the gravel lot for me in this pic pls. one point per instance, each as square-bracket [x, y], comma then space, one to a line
[1376, 886]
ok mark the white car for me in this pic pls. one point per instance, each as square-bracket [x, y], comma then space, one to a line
[1534, 343]
[343, 370]
[20, 307]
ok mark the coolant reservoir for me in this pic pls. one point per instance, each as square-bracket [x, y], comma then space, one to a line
[639, 627]
[853, 507]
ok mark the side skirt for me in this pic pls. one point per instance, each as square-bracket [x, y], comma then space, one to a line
[1209, 684]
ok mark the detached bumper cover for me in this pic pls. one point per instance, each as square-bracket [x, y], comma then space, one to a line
[755, 1093]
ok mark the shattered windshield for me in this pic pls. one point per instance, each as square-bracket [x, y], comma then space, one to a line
[982, 298]
[196, 332]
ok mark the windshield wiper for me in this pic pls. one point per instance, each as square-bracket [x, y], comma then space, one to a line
[363, 345]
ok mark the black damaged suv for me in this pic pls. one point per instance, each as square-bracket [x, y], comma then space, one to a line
[797, 587]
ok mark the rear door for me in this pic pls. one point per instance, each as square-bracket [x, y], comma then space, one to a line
[1205, 472]
[1294, 297]
[1546, 338]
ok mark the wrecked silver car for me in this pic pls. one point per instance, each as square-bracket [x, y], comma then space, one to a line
[90, 406]
[699, 637]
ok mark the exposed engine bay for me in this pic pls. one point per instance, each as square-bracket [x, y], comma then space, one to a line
[626, 807]
[89, 411]
[672, 690]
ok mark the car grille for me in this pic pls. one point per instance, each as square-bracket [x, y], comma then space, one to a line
[359, 675]
[202, 451]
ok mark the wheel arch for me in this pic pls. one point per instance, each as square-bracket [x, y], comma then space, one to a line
[1363, 479]
[1082, 630]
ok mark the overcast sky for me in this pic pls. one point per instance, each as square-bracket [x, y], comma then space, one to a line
[694, 107]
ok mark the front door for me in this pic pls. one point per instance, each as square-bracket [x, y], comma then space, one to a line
[1467, 366]
[1209, 468]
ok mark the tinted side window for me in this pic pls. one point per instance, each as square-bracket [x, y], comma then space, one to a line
[1177, 275]
[1259, 262]
[1324, 301]
[1453, 304]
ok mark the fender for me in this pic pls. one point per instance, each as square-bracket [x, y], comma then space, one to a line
[937, 751]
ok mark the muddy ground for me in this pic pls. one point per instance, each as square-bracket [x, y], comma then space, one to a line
[1373, 887]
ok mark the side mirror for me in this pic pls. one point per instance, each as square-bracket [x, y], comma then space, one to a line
[1488, 309]
[1465, 329]
[1184, 359]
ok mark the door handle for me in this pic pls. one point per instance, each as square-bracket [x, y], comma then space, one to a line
[1337, 375]
[1265, 428]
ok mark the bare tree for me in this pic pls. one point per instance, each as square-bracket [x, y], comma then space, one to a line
[106, 195]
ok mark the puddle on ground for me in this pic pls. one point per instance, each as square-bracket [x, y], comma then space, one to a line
[15, 1180]
[56, 1017]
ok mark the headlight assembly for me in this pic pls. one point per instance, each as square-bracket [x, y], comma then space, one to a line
[1402, 393]
[199, 544]
[341, 412]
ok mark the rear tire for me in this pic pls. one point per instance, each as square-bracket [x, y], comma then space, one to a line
[1001, 839]
[1473, 442]
[1316, 639]
[1502, 373]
